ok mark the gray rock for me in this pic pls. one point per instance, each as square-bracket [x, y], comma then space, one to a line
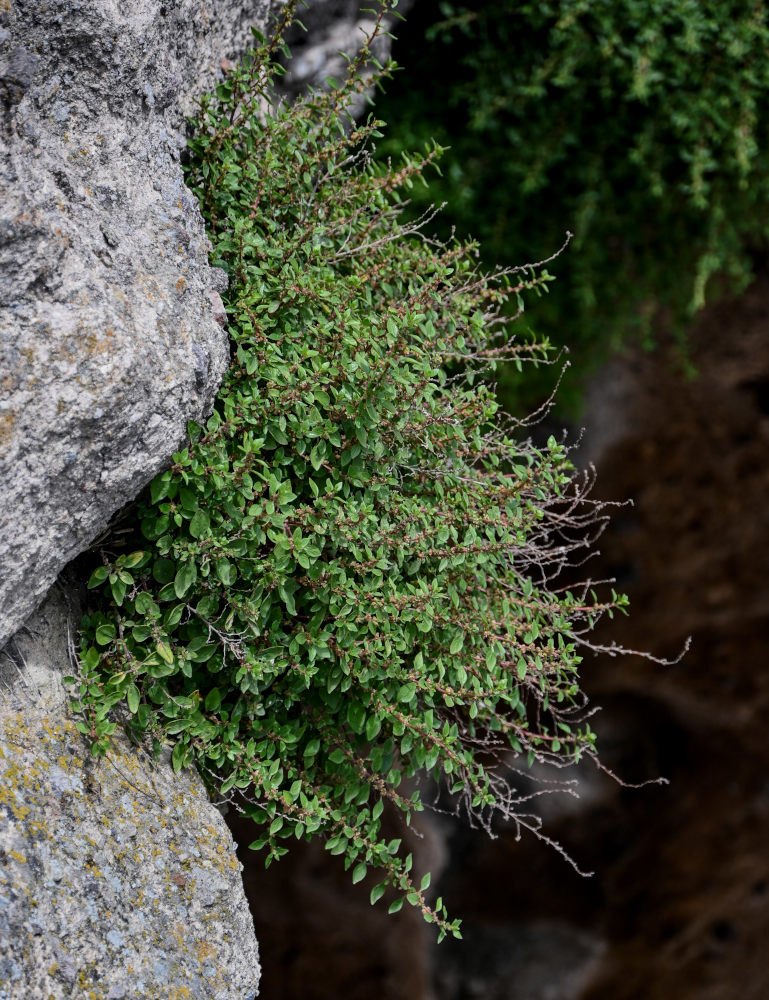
[111, 323]
[85, 911]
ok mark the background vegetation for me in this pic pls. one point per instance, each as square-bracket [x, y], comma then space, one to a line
[638, 125]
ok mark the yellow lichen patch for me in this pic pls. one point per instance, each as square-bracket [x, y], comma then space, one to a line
[98, 344]
[204, 950]
[179, 993]
[7, 421]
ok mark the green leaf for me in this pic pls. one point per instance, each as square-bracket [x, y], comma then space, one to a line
[226, 572]
[167, 593]
[118, 589]
[98, 576]
[186, 575]
[407, 691]
[213, 699]
[228, 783]
[91, 658]
[317, 455]
[288, 599]
[359, 872]
[456, 643]
[356, 716]
[177, 757]
[159, 486]
[105, 634]
[199, 524]
[132, 697]
[377, 892]
[133, 560]
[144, 604]
[163, 570]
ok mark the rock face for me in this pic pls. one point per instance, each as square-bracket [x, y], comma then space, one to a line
[111, 334]
[117, 877]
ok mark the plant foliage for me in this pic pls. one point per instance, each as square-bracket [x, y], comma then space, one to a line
[639, 125]
[344, 579]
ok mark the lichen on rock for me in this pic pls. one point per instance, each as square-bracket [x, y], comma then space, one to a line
[118, 878]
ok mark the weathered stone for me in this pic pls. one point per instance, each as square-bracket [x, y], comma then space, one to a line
[111, 333]
[117, 877]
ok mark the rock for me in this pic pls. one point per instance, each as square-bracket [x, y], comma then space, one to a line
[111, 324]
[117, 877]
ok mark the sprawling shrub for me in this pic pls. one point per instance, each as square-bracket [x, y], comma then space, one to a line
[345, 579]
[640, 126]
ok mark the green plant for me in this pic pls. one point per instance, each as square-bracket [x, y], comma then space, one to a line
[639, 125]
[345, 579]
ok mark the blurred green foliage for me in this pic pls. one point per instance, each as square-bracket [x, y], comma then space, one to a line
[639, 125]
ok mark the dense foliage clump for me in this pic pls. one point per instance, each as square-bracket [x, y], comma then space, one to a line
[345, 579]
[642, 127]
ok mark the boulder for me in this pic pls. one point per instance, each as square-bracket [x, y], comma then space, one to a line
[111, 322]
[118, 878]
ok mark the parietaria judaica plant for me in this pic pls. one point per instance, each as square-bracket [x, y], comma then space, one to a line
[346, 578]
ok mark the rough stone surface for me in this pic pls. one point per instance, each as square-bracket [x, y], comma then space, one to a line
[110, 316]
[117, 877]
